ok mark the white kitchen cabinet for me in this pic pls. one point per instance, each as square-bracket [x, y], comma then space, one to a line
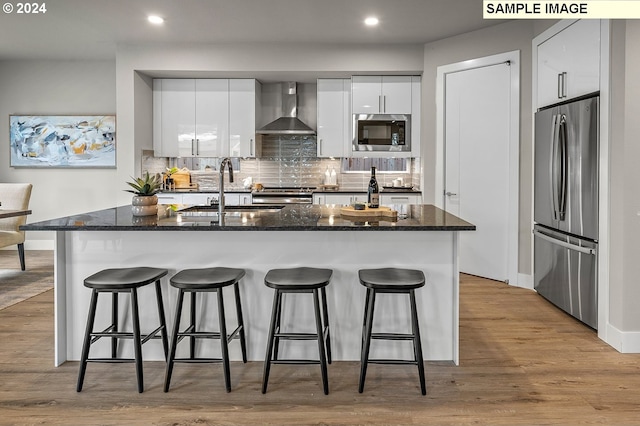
[174, 111]
[389, 199]
[334, 118]
[568, 63]
[416, 108]
[340, 199]
[244, 110]
[164, 198]
[191, 117]
[387, 94]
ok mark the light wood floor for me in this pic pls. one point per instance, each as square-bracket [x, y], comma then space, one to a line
[523, 362]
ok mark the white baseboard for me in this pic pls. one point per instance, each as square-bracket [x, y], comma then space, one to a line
[524, 281]
[626, 342]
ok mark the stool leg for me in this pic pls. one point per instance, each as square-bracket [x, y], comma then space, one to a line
[114, 322]
[163, 320]
[192, 324]
[321, 348]
[417, 346]
[276, 347]
[224, 341]
[174, 340]
[364, 360]
[243, 343]
[137, 339]
[87, 339]
[364, 317]
[325, 316]
[272, 330]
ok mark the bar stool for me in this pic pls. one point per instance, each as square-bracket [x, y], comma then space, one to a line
[206, 280]
[114, 281]
[390, 280]
[299, 280]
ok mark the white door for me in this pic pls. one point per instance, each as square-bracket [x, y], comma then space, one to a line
[477, 165]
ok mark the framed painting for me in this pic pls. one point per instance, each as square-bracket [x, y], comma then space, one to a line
[71, 141]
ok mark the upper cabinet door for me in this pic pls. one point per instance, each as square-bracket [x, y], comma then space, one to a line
[244, 107]
[381, 94]
[174, 117]
[333, 116]
[568, 63]
[212, 118]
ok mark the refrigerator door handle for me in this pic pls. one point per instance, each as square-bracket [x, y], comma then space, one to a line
[553, 175]
[564, 244]
[562, 139]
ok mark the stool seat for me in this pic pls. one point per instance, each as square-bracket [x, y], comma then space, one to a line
[206, 278]
[124, 278]
[391, 278]
[303, 278]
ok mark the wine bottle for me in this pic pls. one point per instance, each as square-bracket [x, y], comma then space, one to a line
[373, 191]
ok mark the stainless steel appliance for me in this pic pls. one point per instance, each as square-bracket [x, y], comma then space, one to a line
[382, 132]
[283, 195]
[566, 207]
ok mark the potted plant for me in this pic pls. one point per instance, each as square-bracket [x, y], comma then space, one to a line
[145, 200]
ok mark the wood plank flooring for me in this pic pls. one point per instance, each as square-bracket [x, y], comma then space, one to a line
[523, 362]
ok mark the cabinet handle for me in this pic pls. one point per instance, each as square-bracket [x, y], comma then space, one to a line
[320, 146]
[251, 147]
[380, 103]
[384, 103]
[562, 85]
[449, 194]
[193, 152]
[197, 146]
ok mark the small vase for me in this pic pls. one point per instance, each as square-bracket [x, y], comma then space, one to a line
[144, 205]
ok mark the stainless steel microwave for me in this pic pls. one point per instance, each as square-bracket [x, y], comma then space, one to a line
[382, 132]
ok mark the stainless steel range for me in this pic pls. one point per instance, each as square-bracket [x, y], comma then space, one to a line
[283, 195]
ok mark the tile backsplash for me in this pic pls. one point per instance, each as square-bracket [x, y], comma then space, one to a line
[287, 160]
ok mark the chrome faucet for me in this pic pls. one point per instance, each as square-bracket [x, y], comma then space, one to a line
[226, 162]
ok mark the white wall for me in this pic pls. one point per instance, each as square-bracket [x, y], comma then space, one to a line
[624, 281]
[514, 35]
[48, 88]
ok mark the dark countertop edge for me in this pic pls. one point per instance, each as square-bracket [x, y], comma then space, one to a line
[251, 228]
[318, 191]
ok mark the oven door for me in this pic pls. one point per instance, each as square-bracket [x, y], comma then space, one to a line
[262, 198]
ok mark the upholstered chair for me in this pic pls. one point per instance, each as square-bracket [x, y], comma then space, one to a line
[14, 196]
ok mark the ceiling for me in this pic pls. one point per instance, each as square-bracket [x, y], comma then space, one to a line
[91, 29]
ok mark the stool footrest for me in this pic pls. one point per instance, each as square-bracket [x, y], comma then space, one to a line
[295, 361]
[209, 334]
[198, 360]
[297, 336]
[392, 336]
[111, 360]
[393, 361]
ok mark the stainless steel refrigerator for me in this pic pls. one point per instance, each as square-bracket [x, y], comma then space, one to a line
[566, 207]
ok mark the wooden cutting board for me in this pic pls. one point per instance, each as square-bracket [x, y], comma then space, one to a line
[381, 211]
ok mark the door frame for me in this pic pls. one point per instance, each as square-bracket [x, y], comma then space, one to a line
[513, 59]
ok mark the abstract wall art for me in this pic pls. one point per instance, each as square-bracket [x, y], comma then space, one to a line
[72, 141]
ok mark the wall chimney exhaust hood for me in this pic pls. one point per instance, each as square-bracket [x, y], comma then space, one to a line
[288, 123]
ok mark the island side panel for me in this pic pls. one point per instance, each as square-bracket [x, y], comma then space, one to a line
[433, 252]
[60, 298]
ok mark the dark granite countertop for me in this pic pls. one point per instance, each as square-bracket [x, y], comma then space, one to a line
[293, 217]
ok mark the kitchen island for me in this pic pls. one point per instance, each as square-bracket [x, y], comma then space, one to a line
[422, 237]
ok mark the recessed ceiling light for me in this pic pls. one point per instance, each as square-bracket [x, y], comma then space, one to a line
[154, 19]
[371, 21]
